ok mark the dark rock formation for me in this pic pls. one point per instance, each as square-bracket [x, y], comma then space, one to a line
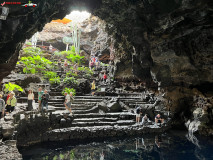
[9, 150]
[168, 41]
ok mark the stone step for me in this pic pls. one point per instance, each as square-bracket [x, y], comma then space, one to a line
[95, 119]
[123, 115]
[100, 123]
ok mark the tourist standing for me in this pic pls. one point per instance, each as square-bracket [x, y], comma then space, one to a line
[65, 65]
[91, 64]
[138, 114]
[30, 99]
[40, 93]
[44, 100]
[93, 88]
[68, 100]
[104, 77]
[11, 102]
[2, 107]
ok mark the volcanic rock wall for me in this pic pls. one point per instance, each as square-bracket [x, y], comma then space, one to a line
[168, 41]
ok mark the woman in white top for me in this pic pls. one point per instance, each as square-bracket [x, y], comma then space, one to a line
[30, 100]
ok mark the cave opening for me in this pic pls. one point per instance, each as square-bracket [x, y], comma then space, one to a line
[153, 57]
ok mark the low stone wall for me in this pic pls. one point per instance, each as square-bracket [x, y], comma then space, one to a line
[80, 133]
[9, 151]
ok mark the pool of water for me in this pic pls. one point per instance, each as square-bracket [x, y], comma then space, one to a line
[174, 145]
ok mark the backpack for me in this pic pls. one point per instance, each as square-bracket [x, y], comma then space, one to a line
[138, 110]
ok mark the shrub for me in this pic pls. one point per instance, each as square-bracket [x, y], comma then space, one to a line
[68, 90]
[35, 64]
[50, 74]
[55, 80]
[12, 87]
[70, 80]
[32, 51]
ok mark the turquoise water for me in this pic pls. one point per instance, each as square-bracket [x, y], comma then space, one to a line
[173, 145]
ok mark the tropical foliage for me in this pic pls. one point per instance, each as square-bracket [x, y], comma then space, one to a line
[55, 80]
[68, 90]
[35, 64]
[70, 81]
[50, 74]
[12, 87]
[32, 51]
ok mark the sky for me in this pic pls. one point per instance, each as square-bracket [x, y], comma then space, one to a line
[77, 16]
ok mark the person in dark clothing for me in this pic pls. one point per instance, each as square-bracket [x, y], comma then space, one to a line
[44, 100]
[2, 107]
[158, 119]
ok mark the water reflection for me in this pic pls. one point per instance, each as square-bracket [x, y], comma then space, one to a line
[167, 146]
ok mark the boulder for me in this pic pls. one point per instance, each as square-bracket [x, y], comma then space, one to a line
[7, 130]
[103, 106]
[114, 107]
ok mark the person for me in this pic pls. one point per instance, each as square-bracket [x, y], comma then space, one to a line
[50, 48]
[65, 65]
[93, 88]
[145, 119]
[138, 114]
[158, 119]
[68, 100]
[11, 102]
[8, 96]
[30, 100]
[75, 67]
[104, 77]
[44, 100]
[91, 64]
[59, 64]
[40, 93]
[2, 107]
[96, 63]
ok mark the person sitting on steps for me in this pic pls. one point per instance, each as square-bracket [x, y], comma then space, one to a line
[145, 119]
[11, 102]
[158, 119]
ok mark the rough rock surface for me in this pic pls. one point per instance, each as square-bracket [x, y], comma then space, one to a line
[168, 41]
[94, 39]
[9, 150]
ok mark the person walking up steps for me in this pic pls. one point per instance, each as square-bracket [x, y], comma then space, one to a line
[68, 101]
[93, 88]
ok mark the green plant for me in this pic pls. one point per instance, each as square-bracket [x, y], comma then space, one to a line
[72, 155]
[70, 73]
[32, 51]
[35, 64]
[70, 80]
[12, 87]
[55, 157]
[61, 156]
[55, 80]
[29, 43]
[50, 74]
[68, 90]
